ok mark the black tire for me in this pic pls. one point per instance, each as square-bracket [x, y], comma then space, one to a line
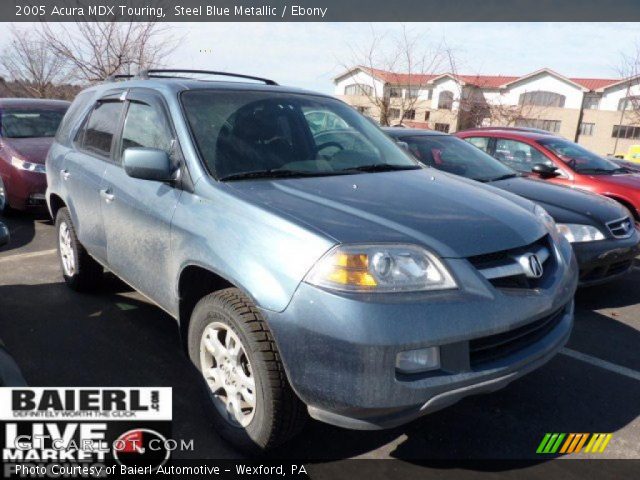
[87, 273]
[279, 414]
[5, 208]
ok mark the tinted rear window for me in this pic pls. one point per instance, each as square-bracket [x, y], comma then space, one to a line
[77, 108]
[101, 127]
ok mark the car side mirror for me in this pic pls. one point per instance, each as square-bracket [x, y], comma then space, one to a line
[148, 164]
[4, 235]
[545, 171]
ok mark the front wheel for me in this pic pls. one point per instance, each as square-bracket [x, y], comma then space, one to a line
[252, 403]
[80, 271]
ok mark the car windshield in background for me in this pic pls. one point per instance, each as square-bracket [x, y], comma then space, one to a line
[244, 134]
[456, 156]
[30, 123]
[578, 158]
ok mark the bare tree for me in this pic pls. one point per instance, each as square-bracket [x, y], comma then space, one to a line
[96, 50]
[412, 54]
[32, 67]
[629, 69]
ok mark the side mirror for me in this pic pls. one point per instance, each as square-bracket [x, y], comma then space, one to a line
[4, 235]
[404, 145]
[544, 170]
[148, 164]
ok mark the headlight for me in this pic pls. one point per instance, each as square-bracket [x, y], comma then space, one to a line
[380, 268]
[547, 219]
[579, 233]
[28, 166]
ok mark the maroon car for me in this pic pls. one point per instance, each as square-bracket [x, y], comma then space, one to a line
[27, 128]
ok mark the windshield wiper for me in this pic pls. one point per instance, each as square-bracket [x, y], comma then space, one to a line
[598, 170]
[495, 179]
[275, 173]
[506, 176]
[381, 167]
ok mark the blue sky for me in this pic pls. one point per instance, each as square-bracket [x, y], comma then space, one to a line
[309, 55]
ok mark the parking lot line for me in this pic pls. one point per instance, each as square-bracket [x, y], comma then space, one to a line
[619, 369]
[22, 256]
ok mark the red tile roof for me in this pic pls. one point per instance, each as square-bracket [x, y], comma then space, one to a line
[483, 81]
[595, 83]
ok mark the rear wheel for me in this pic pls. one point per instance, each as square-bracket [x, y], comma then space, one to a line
[81, 272]
[252, 403]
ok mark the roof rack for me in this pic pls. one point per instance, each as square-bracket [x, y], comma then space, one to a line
[114, 78]
[158, 73]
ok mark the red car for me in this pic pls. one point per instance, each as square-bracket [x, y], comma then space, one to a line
[27, 128]
[560, 161]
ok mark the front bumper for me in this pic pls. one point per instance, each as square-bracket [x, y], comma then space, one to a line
[26, 190]
[605, 260]
[339, 350]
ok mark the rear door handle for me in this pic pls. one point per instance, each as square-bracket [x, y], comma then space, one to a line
[65, 174]
[107, 195]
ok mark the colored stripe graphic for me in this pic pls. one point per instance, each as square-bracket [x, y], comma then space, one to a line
[553, 442]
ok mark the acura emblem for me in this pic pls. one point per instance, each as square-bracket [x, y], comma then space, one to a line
[535, 267]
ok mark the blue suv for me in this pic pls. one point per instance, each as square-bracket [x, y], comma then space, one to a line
[312, 264]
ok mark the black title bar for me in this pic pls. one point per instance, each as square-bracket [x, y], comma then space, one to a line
[319, 10]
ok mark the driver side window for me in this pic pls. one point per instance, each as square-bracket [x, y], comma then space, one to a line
[519, 155]
[146, 126]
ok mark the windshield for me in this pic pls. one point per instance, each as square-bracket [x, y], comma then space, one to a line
[244, 133]
[453, 155]
[578, 158]
[23, 123]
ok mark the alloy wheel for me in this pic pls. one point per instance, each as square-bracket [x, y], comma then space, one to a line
[227, 371]
[66, 250]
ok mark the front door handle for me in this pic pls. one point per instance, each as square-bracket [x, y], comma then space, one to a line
[65, 174]
[107, 195]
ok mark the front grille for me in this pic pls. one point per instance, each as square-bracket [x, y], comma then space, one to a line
[504, 270]
[487, 349]
[621, 228]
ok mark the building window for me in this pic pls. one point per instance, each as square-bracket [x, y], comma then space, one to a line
[410, 114]
[541, 98]
[427, 114]
[445, 100]
[358, 89]
[442, 127]
[626, 131]
[548, 125]
[591, 102]
[363, 110]
[587, 128]
[413, 92]
[395, 92]
[430, 94]
[629, 103]
[394, 113]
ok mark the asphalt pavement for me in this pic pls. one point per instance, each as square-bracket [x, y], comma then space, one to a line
[115, 337]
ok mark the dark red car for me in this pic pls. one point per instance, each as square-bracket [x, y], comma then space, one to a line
[560, 161]
[27, 128]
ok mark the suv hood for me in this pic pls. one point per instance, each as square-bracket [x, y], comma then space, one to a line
[565, 205]
[453, 216]
[32, 150]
